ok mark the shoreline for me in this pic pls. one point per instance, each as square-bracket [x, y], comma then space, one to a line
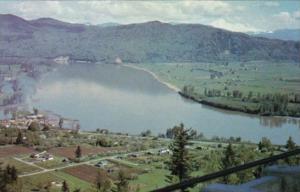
[169, 85]
[203, 102]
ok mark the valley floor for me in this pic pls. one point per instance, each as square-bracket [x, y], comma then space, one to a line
[142, 158]
[234, 86]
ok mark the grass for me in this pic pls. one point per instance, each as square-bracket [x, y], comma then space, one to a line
[49, 164]
[39, 181]
[258, 77]
[155, 178]
[22, 168]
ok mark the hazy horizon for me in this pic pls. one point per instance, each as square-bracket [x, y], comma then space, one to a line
[240, 16]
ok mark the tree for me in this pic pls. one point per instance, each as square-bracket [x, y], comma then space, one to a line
[9, 179]
[35, 111]
[146, 133]
[78, 153]
[46, 127]
[290, 145]
[228, 161]
[103, 183]
[19, 139]
[65, 187]
[34, 126]
[122, 184]
[179, 164]
[60, 123]
[265, 144]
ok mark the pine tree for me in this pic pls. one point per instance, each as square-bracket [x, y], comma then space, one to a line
[78, 153]
[13, 173]
[180, 162]
[65, 187]
[60, 123]
[19, 139]
[122, 184]
[290, 145]
[103, 183]
[228, 161]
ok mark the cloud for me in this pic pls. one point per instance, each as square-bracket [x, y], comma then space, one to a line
[296, 14]
[217, 13]
[122, 11]
[286, 19]
[233, 26]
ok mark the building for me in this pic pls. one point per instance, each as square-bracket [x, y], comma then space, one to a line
[43, 156]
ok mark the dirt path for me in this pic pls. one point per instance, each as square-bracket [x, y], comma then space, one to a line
[75, 164]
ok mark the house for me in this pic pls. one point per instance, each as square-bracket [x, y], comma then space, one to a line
[101, 163]
[66, 160]
[164, 151]
[43, 156]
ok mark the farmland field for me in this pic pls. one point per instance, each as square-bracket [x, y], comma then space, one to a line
[42, 180]
[259, 76]
[68, 152]
[252, 80]
[21, 167]
[87, 173]
[8, 151]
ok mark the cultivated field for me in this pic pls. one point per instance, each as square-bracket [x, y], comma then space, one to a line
[8, 151]
[68, 152]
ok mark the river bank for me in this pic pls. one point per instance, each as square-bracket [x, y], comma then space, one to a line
[169, 85]
[221, 103]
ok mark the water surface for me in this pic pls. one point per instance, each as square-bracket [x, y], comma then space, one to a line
[123, 99]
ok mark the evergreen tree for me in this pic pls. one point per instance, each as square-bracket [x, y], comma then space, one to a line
[19, 139]
[78, 152]
[34, 126]
[265, 144]
[290, 145]
[60, 123]
[228, 161]
[13, 173]
[103, 183]
[9, 179]
[65, 187]
[122, 184]
[179, 164]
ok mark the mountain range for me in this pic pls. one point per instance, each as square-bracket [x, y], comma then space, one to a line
[283, 34]
[134, 43]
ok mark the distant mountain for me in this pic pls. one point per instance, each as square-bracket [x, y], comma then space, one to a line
[110, 24]
[145, 42]
[283, 34]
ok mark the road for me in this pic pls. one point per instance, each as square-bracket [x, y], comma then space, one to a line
[44, 170]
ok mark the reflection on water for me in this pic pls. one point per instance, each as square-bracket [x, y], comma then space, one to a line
[122, 99]
[275, 122]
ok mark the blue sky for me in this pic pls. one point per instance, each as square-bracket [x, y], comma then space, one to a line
[232, 15]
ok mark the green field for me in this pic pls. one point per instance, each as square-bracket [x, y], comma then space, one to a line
[42, 180]
[259, 78]
[21, 167]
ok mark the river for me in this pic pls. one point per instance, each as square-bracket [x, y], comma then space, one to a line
[123, 99]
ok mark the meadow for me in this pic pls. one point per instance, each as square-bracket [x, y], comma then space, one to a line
[255, 78]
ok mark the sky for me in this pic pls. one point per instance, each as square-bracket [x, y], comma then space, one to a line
[243, 16]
